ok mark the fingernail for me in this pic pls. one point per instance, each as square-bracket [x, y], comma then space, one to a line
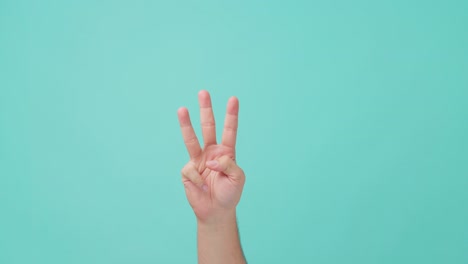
[212, 163]
[205, 187]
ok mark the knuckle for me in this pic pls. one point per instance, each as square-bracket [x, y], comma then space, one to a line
[185, 171]
[230, 128]
[224, 159]
[190, 173]
[208, 124]
[191, 140]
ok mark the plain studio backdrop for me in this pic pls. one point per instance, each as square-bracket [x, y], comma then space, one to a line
[353, 128]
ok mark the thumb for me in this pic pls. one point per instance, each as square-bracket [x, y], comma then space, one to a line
[227, 166]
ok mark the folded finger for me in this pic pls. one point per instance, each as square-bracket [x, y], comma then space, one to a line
[190, 172]
[227, 166]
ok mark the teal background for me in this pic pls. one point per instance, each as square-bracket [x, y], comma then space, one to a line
[353, 128]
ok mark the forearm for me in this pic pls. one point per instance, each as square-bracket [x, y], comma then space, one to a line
[218, 241]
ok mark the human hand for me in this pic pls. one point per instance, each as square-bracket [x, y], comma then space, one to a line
[213, 181]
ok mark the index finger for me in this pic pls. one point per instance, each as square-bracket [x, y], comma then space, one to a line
[190, 138]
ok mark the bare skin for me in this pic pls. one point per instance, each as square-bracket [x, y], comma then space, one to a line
[213, 182]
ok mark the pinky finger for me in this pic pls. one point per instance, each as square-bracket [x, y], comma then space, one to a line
[190, 173]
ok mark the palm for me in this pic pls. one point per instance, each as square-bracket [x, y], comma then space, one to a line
[221, 191]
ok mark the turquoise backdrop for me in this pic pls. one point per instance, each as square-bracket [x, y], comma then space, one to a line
[353, 128]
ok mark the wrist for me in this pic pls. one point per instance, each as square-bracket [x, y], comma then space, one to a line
[218, 219]
[218, 239]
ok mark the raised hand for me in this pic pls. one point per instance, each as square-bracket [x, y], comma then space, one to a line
[213, 181]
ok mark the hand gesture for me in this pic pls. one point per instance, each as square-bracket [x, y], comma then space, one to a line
[213, 181]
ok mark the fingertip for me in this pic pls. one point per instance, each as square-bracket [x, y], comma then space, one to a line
[233, 105]
[184, 117]
[204, 98]
[203, 92]
[233, 99]
[182, 110]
